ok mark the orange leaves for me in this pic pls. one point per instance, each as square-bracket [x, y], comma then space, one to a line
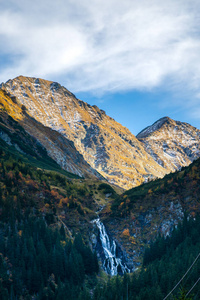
[121, 204]
[60, 204]
[126, 232]
[132, 240]
[59, 198]
[21, 176]
[55, 195]
[65, 200]
[32, 184]
[125, 202]
[63, 243]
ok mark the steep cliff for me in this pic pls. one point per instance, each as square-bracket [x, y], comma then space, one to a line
[172, 144]
[106, 145]
[14, 119]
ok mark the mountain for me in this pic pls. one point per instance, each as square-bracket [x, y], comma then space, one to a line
[106, 145]
[83, 140]
[41, 256]
[142, 213]
[44, 209]
[172, 144]
[14, 120]
[165, 262]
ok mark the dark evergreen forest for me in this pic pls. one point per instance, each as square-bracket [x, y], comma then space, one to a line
[39, 261]
[165, 263]
[36, 256]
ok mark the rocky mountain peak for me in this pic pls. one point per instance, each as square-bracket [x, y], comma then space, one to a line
[154, 127]
[58, 147]
[172, 144]
[106, 145]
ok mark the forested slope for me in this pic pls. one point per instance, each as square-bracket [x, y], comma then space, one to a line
[140, 214]
[46, 234]
[37, 254]
[165, 263]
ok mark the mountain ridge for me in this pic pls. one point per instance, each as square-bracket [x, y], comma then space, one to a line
[68, 205]
[58, 147]
[141, 214]
[108, 147]
[155, 126]
[173, 144]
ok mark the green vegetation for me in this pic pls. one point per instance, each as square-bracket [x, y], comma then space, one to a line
[26, 147]
[36, 255]
[165, 263]
[45, 216]
[187, 230]
[106, 189]
[39, 260]
[25, 186]
[178, 184]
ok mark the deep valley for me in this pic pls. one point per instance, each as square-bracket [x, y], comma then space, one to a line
[87, 209]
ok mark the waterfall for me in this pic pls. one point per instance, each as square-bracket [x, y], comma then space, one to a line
[111, 263]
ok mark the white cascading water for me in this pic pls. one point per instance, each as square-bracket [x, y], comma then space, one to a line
[111, 264]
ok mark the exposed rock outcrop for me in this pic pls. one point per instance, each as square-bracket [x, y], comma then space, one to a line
[58, 147]
[106, 145]
[172, 144]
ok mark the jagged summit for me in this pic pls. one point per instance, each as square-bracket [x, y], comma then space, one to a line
[59, 148]
[29, 78]
[155, 126]
[106, 145]
[35, 81]
[172, 144]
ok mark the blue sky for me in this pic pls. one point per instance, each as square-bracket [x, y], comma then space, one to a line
[137, 60]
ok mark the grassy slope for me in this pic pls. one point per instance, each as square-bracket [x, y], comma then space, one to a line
[23, 146]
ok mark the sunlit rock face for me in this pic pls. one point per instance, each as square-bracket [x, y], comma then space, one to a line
[172, 144]
[58, 147]
[106, 145]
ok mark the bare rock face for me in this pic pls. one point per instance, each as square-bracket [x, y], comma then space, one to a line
[172, 144]
[106, 145]
[58, 147]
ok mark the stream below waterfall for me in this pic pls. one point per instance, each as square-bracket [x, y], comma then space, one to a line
[112, 264]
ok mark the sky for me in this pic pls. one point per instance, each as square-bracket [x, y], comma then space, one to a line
[137, 60]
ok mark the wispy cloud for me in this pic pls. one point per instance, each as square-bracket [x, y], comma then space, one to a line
[103, 46]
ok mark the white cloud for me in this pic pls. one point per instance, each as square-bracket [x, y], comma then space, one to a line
[103, 46]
